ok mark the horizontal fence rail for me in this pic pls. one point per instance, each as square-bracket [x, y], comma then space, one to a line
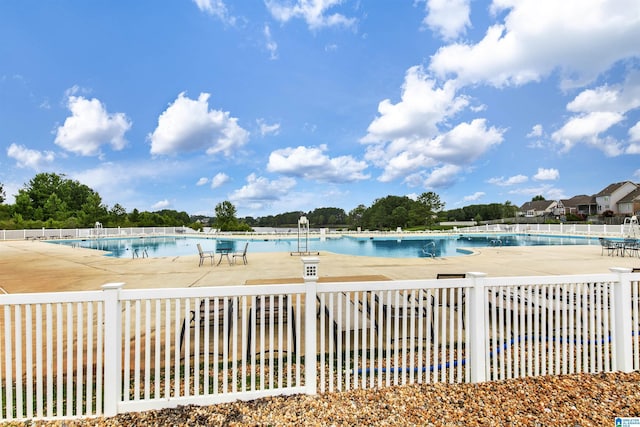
[87, 354]
[587, 230]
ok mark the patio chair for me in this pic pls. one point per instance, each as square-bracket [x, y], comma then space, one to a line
[275, 311]
[630, 247]
[209, 317]
[611, 247]
[204, 255]
[242, 254]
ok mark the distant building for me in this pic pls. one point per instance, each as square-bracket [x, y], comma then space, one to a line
[607, 199]
[577, 205]
[538, 208]
[630, 204]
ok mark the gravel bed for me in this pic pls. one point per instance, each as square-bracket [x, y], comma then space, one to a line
[567, 400]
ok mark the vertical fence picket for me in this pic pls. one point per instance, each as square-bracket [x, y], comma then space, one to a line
[23, 350]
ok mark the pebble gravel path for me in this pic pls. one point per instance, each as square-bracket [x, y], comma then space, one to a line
[568, 400]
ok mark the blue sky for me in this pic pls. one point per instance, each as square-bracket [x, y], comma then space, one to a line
[283, 105]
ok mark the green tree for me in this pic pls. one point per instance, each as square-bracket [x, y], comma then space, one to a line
[134, 216]
[2, 194]
[117, 215]
[54, 208]
[226, 219]
[93, 210]
[432, 205]
[538, 198]
[35, 201]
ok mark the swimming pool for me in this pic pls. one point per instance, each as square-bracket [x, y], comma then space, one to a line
[378, 246]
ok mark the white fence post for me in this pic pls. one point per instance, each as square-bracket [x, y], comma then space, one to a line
[477, 304]
[622, 320]
[112, 348]
[310, 276]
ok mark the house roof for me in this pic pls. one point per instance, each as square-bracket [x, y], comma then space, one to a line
[611, 188]
[537, 205]
[581, 200]
[629, 198]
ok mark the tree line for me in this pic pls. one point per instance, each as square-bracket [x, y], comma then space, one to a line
[54, 201]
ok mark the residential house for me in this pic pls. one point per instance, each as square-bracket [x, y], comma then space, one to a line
[630, 204]
[538, 208]
[607, 199]
[582, 205]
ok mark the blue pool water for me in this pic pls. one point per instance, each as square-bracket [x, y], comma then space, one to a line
[405, 247]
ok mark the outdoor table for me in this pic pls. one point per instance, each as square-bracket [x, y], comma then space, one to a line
[224, 251]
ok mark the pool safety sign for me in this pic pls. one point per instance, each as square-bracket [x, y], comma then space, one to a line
[621, 422]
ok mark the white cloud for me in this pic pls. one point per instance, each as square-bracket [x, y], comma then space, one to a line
[598, 110]
[118, 182]
[90, 126]
[311, 163]
[216, 8]
[546, 174]
[581, 38]
[28, 158]
[474, 197]
[216, 181]
[271, 45]
[587, 129]
[11, 190]
[314, 13]
[259, 191]
[536, 132]
[547, 191]
[189, 125]
[634, 138]
[422, 106]
[634, 133]
[442, 177]
[405, 139]
[462, 145]
[220, 179]
[162, 204]
[449, 18]
[268, 129]
[512, 180]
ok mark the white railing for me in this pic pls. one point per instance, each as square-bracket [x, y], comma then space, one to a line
[587, 230]
[87, 233]
[618, 230]
[77, 354]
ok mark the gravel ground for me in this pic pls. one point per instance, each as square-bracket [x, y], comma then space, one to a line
[569, 400]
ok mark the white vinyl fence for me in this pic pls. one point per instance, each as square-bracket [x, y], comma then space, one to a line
[79, 354]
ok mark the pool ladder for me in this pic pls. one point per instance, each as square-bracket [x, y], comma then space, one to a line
[135, 253]
[496, 242]
[425, 249]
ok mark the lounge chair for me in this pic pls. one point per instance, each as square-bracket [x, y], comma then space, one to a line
[274, 311]
[242, 254]
[204, 255]
[209, 317]
[343, 315]
[456, 305]
[402, 309]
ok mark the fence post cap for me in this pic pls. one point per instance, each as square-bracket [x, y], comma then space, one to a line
[476, 274]
[112, 286]
[620, 269]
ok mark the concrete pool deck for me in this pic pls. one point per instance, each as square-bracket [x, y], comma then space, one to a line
[38, 266]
